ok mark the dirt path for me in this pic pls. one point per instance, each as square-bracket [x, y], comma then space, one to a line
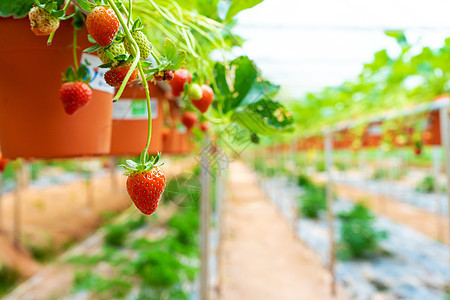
[428, 223]
[261, 258]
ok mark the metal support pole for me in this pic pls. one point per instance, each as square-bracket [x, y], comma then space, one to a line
[436, 170]
[329, 166]
[16, 225]
[445, 140]
[205, 212]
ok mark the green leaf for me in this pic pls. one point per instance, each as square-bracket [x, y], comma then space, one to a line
[170, 50]
[15, 8]
[92, 49]
[121, 57]
[109, 54]
[146, 64]
[70, 74]
[264, 117]
[179, 60]
[91, 39]
[131, 163]
[86, 5]
[240, 5]
[107, 65]
[58, 13]
[74, 24]
[82, 72]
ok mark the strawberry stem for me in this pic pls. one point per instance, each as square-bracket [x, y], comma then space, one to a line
[74, 46]
[135, 64]
[134, 47]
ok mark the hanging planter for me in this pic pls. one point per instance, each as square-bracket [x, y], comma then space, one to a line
[129, 133]
[33, 123]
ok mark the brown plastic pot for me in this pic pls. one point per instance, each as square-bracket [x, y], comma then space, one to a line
[33, 123]
[129, 134]
[177, 142]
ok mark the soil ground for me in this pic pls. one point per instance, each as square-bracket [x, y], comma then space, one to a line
[260, 257]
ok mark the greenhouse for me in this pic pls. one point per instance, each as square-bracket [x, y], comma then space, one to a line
[224, 150]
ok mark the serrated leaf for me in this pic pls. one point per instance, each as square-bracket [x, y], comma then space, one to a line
[170, 50]
[86, 5]
[17, 9]
[48, 7]
[179, 60]
[92, 49]
[146, 64]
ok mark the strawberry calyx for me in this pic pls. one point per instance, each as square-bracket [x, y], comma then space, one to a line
[51, 6]
[80, 74]
[145, 163]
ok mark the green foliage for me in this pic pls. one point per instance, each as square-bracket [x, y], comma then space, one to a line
[358, 238]
[246, 98]
[313, 201]
[320, 166]
[304, 181]
[15, 8]
[8, 279]
[115, 235]
[108, 288]
[427, 185]
[43, 253]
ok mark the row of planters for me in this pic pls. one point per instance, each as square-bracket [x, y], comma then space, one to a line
[377, 257]
[144, 257]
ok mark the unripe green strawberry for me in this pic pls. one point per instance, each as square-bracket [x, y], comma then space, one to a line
[42, 22]
[114, 49]
[142, 41]
[195, 92]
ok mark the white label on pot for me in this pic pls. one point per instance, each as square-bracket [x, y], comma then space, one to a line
[97, 74]
[134, 109]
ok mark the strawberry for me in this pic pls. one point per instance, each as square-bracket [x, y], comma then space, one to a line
[74, 95]
[142, 41]
[145, 184]
[205, 101]
[42, 22]
[194, 92]
[180, 77]
[189, 119]
[114, 49]
[204, 126]
[114, 77]
[164, 75]
[102, 24]
[3, 164]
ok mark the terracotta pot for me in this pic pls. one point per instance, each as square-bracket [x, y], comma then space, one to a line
[33, 123]
[130, 126]
[177, 142]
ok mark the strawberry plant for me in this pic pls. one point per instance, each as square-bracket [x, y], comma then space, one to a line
[358, 238]
[313, 201]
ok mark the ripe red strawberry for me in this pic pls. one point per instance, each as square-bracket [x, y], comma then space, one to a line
[180, 78]
[189, 119]
[102, 24]
[145, 184]
[205, 101]
[3, 163]
[74, 95]
[115, 77]
[204, 126]
[42, 22]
